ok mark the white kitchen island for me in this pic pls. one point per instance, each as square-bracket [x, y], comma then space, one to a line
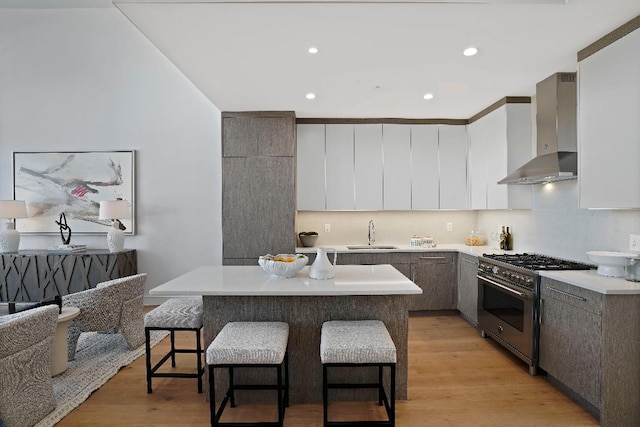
[247, 293]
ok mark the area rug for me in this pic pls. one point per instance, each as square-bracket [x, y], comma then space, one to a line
[98, 358]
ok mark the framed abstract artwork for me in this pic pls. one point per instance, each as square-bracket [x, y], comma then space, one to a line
[73, 183]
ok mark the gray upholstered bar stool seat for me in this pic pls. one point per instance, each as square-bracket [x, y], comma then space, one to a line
[249, 345]
[176, 314]
[355, 344]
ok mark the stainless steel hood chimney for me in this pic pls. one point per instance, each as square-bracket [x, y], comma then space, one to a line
[557, 157]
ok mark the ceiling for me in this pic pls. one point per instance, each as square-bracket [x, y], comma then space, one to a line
[376, 59]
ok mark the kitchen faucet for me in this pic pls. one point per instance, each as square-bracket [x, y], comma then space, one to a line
[372, 233]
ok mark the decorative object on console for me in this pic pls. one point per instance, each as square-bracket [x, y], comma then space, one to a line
[308, 238]
[115, 210]
[10, 237]
[73, 183]
[67, 249]
[62, 224]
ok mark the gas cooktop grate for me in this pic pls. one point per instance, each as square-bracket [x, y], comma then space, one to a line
[538, 262]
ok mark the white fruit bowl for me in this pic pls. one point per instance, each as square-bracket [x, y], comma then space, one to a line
[281, 266]
[610, 264]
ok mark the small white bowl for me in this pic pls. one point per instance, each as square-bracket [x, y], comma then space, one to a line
[610, 264]
[280, 268]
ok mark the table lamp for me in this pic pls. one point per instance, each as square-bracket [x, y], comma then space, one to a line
[10, 238]
[114, 210]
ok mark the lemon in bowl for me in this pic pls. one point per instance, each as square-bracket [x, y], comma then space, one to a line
[283, 265]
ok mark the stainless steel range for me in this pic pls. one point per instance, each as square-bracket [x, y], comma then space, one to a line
[508, 300]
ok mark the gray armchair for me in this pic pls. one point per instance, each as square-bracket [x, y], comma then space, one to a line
[26, 346]
[115, 304]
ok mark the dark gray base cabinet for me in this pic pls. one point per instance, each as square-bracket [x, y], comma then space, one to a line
[468, 287]
[571, 337]
[590, 344]
[39, 275]
[436, 274]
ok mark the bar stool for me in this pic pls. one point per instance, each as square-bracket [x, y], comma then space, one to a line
[249, 345]
[356, 344]
[176, 314]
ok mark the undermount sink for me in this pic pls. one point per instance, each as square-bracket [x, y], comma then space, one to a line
[371, 247]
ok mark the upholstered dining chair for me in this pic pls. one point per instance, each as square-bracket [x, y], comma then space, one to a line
[112, 305]
[26, 346]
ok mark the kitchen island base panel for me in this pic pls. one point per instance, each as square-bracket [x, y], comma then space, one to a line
[305, 316]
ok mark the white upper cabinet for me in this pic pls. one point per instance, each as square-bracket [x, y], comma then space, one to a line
[499, 143]
[452, 143]
[310, 167]
[381, 167]
[368, 166]
[478, 164]
[609, 125]
[340, 167]
[396, 148]
[425, 167]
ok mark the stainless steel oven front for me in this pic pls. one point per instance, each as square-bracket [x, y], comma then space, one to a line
[507, 313]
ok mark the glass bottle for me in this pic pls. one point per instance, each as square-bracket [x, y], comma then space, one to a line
[503, 239]
[508, 241]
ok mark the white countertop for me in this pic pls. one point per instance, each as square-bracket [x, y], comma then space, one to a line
[590, 279]
[444, 247]
[254, 281]
[587, 279]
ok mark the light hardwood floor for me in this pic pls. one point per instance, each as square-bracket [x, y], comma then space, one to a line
[456, 378]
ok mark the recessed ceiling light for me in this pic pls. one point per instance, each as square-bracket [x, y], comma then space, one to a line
[428, 96]
[313, 49]
[470, 51]
[311, 96]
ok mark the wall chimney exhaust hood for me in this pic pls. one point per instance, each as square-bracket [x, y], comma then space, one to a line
[557, 157]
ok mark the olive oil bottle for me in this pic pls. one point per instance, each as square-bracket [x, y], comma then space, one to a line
[508, 240]
[503, 239]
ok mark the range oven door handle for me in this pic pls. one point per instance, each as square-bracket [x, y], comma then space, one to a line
[501, 286]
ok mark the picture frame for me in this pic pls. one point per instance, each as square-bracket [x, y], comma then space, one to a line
[73, 183]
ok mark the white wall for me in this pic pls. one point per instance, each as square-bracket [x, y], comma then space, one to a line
[557, 227]
[392, 227]
[87, 79]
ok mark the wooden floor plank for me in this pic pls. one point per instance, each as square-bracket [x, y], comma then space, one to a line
[456, 379]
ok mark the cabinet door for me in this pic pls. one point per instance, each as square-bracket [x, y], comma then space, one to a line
[468, 287]
[519, 151]
[425, 171]
[258, 135]
[435, 274]
[257, 206]
[571, 345]
[310, 167]
[478, 165]
[368, 166]
[339, 167]
[396, 146]
[608, 125]
[497, 150]
[452, 143]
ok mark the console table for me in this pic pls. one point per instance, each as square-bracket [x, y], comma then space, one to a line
[35, 275]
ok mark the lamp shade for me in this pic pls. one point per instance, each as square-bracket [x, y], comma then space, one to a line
[114, 209]
[13, 209]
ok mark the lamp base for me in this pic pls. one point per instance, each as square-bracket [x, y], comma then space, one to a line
[9, 240]
[115, 240]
